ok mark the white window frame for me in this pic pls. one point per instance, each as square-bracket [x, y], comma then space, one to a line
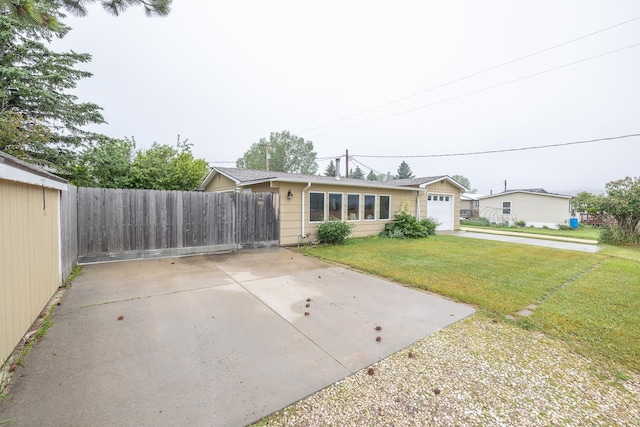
[341, 205]
[359, 206]
[364, 207]
[324, 206]
[506, 210]
[380, 207]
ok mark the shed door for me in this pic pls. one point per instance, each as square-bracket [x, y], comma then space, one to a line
[440, 208]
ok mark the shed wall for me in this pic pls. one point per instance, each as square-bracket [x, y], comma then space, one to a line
[29, 257]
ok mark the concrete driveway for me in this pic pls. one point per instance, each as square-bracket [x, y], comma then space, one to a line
[217, 340]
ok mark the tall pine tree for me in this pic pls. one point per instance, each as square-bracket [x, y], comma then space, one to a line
[404, 171]
[34, 95]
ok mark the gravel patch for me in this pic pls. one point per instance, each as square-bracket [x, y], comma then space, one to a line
[475, 372]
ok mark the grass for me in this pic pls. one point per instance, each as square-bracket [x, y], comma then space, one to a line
[590, 301]
[586, 232]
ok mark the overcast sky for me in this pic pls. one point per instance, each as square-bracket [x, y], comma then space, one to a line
[225, 74]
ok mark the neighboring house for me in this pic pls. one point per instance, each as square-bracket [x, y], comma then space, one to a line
[469, 205]
[307, 200]
[30, 255]
[536, 207]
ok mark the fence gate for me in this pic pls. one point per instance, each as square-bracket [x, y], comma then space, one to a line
[116, 224]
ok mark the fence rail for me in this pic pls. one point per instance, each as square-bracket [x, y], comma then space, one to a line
[116, 224]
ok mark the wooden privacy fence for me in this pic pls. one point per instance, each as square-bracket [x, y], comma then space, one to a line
[115, 224]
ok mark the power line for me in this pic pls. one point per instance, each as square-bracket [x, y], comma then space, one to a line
[504, 64]
[473, 153]
[528, 76]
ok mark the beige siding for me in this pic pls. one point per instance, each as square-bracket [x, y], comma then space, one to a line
[291, 210]
[220, 183]
[443, 187]
[29, 258]
[536, 210]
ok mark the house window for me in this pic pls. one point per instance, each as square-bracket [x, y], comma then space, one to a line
[353, 207]
[316, 207]
[385, 203]
[369, 206]
[429, 197]
[335, 206]
[506, 208]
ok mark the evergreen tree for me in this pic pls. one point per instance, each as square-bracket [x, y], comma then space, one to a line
[34, 94]
[372, 176]
[356, 174]
[46, 14]
[404, 171]
[331, 169]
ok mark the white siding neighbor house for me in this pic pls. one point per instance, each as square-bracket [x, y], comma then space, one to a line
[536, 207]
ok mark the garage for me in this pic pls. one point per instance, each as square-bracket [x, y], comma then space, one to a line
[441, 208]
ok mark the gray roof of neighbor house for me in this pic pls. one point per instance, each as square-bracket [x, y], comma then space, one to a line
[535, 191]
[244, 177]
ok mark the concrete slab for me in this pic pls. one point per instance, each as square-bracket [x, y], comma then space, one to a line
[569, 246]
[211, 340]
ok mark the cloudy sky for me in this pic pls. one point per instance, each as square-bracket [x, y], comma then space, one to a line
[413, 79]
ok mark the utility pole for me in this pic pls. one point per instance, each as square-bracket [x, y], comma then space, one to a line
[346, 164]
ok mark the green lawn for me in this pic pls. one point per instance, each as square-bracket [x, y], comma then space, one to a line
[590, 301]
[584, 232]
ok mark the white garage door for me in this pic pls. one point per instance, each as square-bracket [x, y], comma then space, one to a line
[440, 208]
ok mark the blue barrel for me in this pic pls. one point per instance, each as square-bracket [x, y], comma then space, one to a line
[573, 222]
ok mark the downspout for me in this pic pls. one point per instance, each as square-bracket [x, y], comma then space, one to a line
[302, 201]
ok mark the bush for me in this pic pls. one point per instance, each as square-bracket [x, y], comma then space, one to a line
[405, 226]
[334, 232]
[615, 235]
[484, 222]
[521, 223]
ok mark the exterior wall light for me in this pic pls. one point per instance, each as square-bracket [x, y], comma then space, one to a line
[289, 195]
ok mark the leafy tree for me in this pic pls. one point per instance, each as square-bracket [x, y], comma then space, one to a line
[115, 163]
[372, 176]
[356, 174]
[162, 167]
[331, 169]
[34, 85]
[106, 163]
[622, 201]
[287, 152]
[16, 138]
[404, 171]
[462, 180]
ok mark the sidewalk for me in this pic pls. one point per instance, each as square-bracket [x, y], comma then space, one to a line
[528, 235]
[523, 239]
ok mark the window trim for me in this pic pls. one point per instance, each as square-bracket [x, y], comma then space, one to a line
[359, 207]
[364, 207]
[324, 206]
[380, 207]
[341, 218]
